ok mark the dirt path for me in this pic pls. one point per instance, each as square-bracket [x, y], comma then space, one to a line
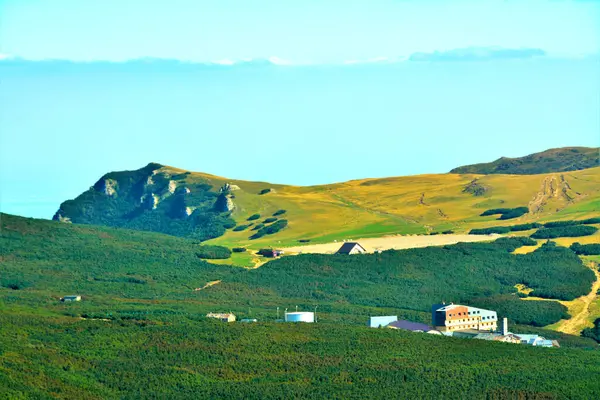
[393, 242]
[576, 323]
[209, 284]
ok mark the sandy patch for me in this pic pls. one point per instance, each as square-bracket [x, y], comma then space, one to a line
[392, 242]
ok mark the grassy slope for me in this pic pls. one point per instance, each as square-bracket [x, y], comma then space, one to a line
[377, 207]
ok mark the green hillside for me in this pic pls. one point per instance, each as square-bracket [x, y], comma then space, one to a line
[554, 160]
[140, 327]
[238, 213]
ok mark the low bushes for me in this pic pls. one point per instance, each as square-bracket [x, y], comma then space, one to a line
[592, 249]
[253, 217]
[264, 191]
[564, 231]
[507, 213]
[269, 220]
[536, 313]
[210, 252]
[279, 212]
[270, 229]
[238, 250]
[594, 332]
[241, 227]
[505, 229]
[556, 224]
[14, 284]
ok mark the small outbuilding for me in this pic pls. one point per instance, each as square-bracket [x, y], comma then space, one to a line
[300, 316]
[225, 317]
[351, 248]
[73, 297]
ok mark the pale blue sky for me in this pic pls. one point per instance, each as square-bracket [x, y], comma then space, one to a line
[300, 31]
[63, 125]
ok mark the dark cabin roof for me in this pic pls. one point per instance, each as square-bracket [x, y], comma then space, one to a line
[409, 325]
[348, 246]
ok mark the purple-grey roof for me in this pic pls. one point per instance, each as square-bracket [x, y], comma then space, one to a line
[409, 325]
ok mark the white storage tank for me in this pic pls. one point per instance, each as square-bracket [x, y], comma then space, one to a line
[300, 316]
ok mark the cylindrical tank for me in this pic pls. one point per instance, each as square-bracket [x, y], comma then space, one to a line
[300, 317]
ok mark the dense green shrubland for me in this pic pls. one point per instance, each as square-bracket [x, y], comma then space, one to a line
[504, 229]
[594, 332]
[179, 357]
[240, 228]
[564, 231]
[556, 224]
[592, 249]
[212, 252]
[540, 313]
[506, 213]
[415, 279]
[154, 340]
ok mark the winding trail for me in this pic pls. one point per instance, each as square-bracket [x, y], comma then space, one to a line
[579, 320]
[576, 323]
[209, 284]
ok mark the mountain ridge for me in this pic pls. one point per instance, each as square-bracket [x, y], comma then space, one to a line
[562, 159]
[205, 207]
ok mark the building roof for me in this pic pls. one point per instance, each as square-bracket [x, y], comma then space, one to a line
[220, 315]
[409, 326]
[348, 246]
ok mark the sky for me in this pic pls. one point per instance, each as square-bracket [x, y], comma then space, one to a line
[299, 31]
[350, 89]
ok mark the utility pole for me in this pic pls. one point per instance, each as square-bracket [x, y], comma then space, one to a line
[316, 313]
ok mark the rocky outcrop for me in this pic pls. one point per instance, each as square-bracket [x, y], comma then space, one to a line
[107, 186]
[475, 188]
[58, 217]
[172, 186]
[224, 203]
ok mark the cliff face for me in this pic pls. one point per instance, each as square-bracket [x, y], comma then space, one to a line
[152, 199]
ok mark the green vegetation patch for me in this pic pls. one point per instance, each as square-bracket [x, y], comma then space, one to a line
[253, 217]
[416, 278]
[506, 213]
[555, 224]
[138, 358]
[240, 228]
[564, 231]
[504, 229]
[279, 212]
[593, 333]
[592, 249]
[270, 229]
[269, 220]
[211, 252]
[528, 312]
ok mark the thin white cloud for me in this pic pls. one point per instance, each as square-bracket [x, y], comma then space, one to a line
[278, 61]
[224, 62]
[5, 56]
